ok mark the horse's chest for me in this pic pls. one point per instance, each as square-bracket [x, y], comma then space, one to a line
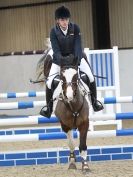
[69, 120]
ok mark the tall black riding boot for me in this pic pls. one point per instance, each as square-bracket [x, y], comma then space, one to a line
[97, 105]
[46, 111]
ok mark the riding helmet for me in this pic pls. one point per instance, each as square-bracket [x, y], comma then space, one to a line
[62, 12]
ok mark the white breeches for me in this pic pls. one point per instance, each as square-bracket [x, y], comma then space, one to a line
[84, 67]
[54, 71]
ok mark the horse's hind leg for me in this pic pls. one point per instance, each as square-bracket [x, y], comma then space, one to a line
[83, 129]
[71, 145]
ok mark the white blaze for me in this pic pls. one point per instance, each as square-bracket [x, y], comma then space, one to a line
[68, 74]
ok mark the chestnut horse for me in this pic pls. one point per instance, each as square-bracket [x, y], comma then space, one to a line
[72, 110]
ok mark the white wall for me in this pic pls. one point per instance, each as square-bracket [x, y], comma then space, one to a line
[15, 72]
[126, 76]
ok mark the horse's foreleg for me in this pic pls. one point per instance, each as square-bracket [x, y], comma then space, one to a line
[70, 141]
[83, 129]
[72, 158]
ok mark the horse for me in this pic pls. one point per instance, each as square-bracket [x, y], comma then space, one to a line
[72, 109]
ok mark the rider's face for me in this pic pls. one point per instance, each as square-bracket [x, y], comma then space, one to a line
[63, 23]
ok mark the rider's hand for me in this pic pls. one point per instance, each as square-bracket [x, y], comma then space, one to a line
[71, 56]
[68, 60]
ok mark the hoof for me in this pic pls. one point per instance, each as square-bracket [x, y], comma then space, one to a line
[72, 166]
[85, 167]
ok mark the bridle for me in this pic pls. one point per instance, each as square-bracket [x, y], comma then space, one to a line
[70, 84]
[69, 104]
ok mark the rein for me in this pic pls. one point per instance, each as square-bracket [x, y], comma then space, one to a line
[42, 80]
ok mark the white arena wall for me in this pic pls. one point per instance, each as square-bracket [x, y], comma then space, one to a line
[15, 72]
[126, 76]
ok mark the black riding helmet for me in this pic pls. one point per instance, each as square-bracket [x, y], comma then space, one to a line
[62, 12]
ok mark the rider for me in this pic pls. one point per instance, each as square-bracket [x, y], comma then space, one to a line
[65, 39]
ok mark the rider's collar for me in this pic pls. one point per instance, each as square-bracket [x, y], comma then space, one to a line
[64, 31]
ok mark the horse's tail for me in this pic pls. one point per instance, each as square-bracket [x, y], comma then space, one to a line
[40, 68]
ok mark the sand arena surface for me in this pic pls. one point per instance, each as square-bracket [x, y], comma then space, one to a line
[97, 169]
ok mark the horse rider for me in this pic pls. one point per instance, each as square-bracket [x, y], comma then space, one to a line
[65, 39]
